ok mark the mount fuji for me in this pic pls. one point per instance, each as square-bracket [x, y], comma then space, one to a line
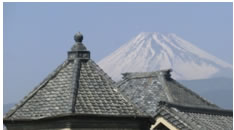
[156, 51]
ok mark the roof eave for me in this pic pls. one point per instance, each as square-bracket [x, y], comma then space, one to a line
[81, 116]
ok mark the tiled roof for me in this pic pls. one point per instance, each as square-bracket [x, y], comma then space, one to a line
[78, 86]
[195, 118]
[146, 89]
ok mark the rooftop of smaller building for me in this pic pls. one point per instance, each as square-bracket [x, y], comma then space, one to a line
[146, 89]
[195, 118]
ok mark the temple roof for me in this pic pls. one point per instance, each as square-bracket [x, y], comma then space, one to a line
[77, 86]
[146, 89]
[195, 118]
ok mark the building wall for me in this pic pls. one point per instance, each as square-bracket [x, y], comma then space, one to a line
[35, 128]
[97, 129]
[81, 124]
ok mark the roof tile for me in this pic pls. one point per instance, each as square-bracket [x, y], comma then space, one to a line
[78, 86]
[146, 89]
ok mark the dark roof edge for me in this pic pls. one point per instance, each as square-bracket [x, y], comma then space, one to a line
[35, 90]
[80, 116]
[201, 110]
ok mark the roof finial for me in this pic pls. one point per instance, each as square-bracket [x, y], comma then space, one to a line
[78, 37]
[167, 73]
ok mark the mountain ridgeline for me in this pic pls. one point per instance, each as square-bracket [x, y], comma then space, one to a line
[193, 67]
[196, 69]
[156, 51]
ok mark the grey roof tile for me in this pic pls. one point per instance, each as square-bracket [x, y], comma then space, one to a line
[146, 89]
[45, 99]
[78, 86]
[196, 118]
[98, 96]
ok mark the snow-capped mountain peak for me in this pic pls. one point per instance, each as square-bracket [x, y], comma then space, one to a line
[152, 51]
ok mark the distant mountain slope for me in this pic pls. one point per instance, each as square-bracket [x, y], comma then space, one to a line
[156, 51]
[216, 90]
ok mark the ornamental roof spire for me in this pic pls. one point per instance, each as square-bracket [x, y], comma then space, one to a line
[78, 50]
[78, 37]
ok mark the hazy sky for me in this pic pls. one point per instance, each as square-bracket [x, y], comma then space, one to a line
[37, 36]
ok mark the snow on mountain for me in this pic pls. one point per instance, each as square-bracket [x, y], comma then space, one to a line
[156, 51]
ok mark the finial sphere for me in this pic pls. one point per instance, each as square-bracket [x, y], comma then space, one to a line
[78, 37]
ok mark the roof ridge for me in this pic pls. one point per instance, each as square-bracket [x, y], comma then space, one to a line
[75, 82]
[121, 82]
[166, 88]
[134, 75]
[36, 89]
[193, 93]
